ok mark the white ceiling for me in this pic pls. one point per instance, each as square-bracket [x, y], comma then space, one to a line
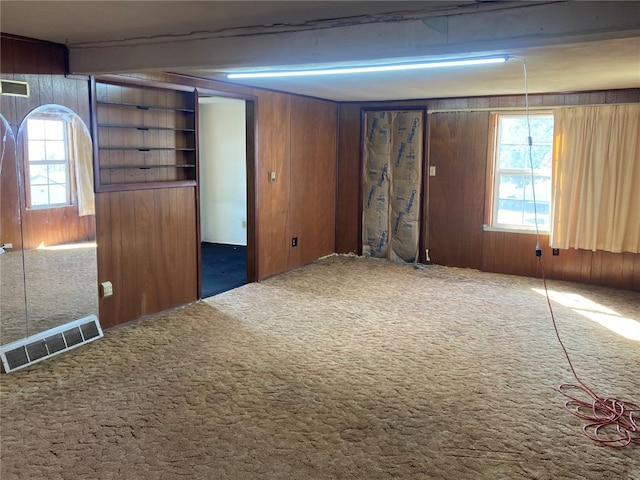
[568, 46]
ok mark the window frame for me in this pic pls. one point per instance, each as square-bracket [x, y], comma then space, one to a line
[68, 161]
[494, 173]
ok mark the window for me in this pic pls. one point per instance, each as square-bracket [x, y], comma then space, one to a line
[522, 175]
[48, 167]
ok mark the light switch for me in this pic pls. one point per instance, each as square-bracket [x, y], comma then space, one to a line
[106, 289]
[272, 177]
[432, 170]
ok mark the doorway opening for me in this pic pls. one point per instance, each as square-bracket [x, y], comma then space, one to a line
[223, 127]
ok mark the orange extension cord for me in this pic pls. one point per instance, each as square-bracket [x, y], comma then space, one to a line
[612, 422]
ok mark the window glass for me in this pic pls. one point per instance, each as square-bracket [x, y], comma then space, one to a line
[48, 162]
[522, 183]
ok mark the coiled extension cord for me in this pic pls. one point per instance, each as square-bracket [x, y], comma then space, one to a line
[612, 422]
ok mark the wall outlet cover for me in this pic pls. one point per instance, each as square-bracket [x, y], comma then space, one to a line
[106, 289]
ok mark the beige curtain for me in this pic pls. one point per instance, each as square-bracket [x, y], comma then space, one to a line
[596, 178]
[83, 155]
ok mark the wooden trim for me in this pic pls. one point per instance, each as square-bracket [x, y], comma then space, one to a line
[142, 82]
[196, 140]
[126, 187]
[239, 86]
[251, 176]
[360, 177]
[423, 213]
[211, 92]
[336, 180]
[93, 114]
[490, 179]
[537, 109]
[20, 38]
[253, 252]
[536, 100]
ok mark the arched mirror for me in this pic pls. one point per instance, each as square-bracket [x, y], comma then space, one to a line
[13, 314]
[55, 161]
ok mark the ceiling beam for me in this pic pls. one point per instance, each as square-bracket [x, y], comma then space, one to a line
[477, 32]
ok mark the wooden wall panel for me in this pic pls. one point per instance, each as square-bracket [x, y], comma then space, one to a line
[456, 193]
[274, 153]
[42, 65]
[313, 179]
[183, 257]
[280, 207]
[348, 179]
[107, 266]
[148, 250]
[279, 211]
[30, 56]
[252, 179]
[458, 149]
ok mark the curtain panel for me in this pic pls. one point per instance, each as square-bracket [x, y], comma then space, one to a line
[596, 178]
[83, 156]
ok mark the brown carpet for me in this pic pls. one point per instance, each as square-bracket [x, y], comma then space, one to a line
[61, 287]
[348, 368]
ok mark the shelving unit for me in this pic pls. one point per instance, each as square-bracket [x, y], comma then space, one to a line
[144, 136]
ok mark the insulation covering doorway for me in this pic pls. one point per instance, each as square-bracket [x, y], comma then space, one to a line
[392, 181]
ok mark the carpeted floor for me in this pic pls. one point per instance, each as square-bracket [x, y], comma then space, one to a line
[348, 368]
[224, 267]
[61, 287]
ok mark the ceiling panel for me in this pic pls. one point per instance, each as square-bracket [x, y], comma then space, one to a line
[556, 62]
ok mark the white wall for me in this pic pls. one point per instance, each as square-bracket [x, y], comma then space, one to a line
[223, 186]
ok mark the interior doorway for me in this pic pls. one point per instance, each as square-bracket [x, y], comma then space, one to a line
[224, 219]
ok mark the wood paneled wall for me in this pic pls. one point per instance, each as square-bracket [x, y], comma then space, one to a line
[458, 142]
[147, 239]
[456, 202]
[147, 249]
[274, 155]
[313, 179]
[144, 236]
[296, 137]
[42, 65]
[348, 193]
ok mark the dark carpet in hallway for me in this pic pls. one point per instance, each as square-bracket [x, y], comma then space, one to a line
[224, 267]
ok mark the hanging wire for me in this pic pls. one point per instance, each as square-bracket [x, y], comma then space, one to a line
[612, 422]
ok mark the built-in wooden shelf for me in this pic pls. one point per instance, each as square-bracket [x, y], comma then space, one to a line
[144, 136]
[144, 167]
[148, 149]
[140, 106]
[146, 128]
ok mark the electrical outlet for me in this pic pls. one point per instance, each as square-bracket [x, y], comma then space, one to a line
[294, 242]
[106, 289]
[272, 177]
[244, 224]
[556, 252]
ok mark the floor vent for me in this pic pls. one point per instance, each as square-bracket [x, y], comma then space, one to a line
[27, 351]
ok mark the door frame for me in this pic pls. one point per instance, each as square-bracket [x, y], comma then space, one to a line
[423, 215]
[252, 187]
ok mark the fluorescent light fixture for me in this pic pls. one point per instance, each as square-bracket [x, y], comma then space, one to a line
[371, 69]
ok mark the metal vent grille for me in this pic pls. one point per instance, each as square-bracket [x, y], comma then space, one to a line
[25, 352]
[14, 88]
